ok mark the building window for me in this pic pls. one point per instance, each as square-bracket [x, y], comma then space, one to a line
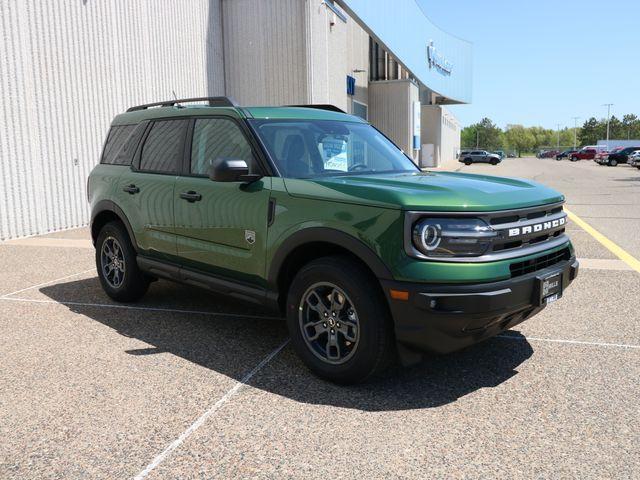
[360, 109]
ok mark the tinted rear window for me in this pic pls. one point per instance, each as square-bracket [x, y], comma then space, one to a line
[115, 141]
[163, 148]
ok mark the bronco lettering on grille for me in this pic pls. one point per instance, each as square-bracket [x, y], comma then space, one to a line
[537, 227]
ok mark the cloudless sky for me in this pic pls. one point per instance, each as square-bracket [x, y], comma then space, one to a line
[542, 62]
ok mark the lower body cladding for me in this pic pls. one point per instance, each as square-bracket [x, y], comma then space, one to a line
[445, 318]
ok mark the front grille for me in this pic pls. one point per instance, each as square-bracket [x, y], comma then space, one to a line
[526, 227]
[529, 266]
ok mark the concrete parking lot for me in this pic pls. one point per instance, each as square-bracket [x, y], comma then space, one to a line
[185, 384]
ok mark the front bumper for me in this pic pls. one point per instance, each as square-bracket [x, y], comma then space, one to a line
[445, 318]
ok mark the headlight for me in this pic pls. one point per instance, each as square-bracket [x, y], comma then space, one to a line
[452, 237]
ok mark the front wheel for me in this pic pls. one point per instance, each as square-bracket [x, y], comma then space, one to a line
[339, 321]
[118, 270]
[613, 163]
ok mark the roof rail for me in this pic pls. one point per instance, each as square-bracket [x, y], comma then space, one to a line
[320, 106]
[213, 102]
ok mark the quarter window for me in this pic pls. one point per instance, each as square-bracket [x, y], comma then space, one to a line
[216, 138]
[115, 140]
[162, 150]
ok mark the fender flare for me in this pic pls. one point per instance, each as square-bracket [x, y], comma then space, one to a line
[331, 236]
[109, 206]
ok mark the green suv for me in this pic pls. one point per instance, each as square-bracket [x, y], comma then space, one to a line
[317, 215]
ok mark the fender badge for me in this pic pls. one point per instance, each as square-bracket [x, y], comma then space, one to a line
[250, 236]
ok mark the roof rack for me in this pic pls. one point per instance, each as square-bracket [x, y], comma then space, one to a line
[321, 106]
[213, 102]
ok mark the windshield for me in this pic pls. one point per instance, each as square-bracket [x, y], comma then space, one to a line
[314, 148]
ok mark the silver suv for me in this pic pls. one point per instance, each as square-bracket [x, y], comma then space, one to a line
[479, 156]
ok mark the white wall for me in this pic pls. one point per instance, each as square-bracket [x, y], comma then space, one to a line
[265, 51]
[67, 68]
[441, 129]
[391, 111]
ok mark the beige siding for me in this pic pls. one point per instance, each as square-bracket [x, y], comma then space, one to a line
[67, 68]
[390, 110]
[265, 51]
[337, 49]
[441, 129]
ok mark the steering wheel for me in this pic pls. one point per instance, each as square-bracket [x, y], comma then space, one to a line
[358, 166]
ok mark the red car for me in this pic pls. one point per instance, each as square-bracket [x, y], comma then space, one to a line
[584, 154]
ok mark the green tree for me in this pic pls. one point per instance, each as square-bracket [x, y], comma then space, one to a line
[590, 132]
[484, 134]
[630, 127]
[520, 139]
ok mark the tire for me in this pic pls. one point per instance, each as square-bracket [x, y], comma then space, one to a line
[468, 161]
[613, 163]
[118, 270]
[494, 162]
[574, 159]
[365, 348]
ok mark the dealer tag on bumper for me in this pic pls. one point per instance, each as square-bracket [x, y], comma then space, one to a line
[550, 288]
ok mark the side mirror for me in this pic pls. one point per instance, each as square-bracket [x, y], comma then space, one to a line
[231, 170]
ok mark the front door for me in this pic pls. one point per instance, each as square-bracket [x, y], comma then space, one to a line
[145, 193]
[221, 227]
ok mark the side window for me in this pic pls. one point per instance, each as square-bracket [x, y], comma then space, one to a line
[125, 154]
[215, 138]
[163, 148]
[115, 140]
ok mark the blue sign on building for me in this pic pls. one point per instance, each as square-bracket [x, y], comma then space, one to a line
[440, 61]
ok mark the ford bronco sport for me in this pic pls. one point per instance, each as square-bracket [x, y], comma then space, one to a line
[316, 214]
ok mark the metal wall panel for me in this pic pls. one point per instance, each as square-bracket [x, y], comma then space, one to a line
[391, 111]
[265, 51]
[67, 68]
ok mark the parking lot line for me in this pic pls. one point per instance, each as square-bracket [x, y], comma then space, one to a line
[4, 297]
[611, 246]
[135, 307]
[576, 342]
[211, 411]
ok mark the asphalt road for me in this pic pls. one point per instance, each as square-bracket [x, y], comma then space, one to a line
[188, 385]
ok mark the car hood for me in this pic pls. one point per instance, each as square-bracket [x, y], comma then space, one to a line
[441, 191]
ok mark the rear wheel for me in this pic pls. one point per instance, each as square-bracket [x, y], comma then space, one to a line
[118, 270]
[468, 161]
[613, 163]
[494, 162]
[339, 321]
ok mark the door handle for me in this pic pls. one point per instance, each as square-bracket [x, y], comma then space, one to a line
[132, 189]
[191, 196]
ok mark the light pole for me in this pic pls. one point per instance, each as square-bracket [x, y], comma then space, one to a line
[608, 105]
[575, 132]
[477, 138]
[558, 132]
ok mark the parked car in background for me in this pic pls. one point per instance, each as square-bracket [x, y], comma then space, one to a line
[566, 153]
[500, 153]
[463, 153]
[511, 155]
[586, 153]
[634, 159]
[480, 156]
[621, 156]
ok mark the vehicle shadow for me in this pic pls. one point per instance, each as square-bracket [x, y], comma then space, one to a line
[232, 345]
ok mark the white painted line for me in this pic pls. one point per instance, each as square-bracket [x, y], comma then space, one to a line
[575, 342]
[51, 242]
[211, 411]
[134, 307]
[4, 297]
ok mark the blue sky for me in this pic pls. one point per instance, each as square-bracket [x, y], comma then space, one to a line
[543, 62]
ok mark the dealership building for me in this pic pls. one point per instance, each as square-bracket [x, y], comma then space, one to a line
[69, 67]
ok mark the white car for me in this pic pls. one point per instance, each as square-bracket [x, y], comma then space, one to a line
[634, 159]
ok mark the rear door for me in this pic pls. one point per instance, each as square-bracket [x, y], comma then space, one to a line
[221, 227]
[145, 193]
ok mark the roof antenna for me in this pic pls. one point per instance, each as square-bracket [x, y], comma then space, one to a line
[176, 97]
